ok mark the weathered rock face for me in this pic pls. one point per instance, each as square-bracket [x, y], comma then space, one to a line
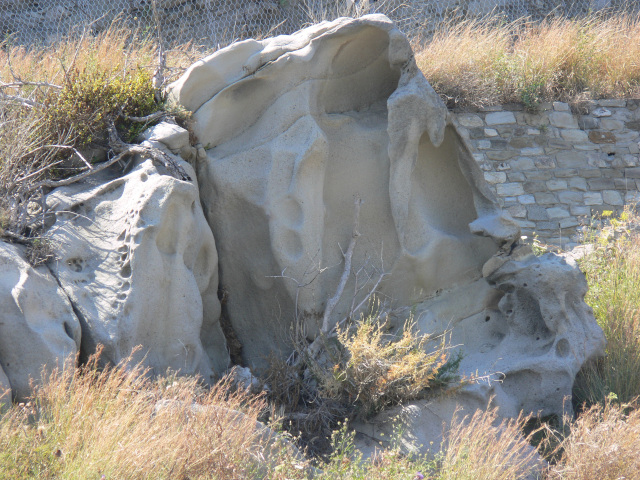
[138, 261]
[37, 324]
[297, 127]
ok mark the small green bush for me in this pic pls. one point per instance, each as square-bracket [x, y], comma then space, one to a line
[90, 99]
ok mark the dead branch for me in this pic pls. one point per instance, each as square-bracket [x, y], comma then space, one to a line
[15, 237]
[158, 75]
[60, 147]
[149, 118]
[85, 173]
[25, 102]
[156, 155]
[37, 172]
[333, 301]
[33, 84]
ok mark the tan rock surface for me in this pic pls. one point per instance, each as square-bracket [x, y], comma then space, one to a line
[297, 126]
[139, 262]
[38, 327]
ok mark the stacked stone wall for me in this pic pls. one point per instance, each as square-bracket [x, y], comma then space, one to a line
[557, 168]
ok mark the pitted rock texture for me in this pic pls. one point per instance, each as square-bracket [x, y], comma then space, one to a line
[297, 126]
[549, 334]
[139, 262]
[294, 129]
[38, 327]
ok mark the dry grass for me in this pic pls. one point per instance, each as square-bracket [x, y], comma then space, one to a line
[613, 274]
[118, 424]
[374, 368]
[603, 445]
[118, 49]
[478, 447]
[486, 61]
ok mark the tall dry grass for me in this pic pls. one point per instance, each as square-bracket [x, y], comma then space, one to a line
[487, 61]
[119, 424]
[480, 447]
[613, 274]
[602, 445]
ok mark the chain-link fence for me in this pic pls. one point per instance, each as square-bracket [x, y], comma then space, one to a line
[214, 23]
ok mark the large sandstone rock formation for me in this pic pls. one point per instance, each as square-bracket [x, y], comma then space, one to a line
[296, 127]
[139, 263]
[38, 327]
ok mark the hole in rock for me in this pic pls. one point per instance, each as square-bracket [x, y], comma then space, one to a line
[125, 271]
[437, 181]
[487, 318]
[75, 264]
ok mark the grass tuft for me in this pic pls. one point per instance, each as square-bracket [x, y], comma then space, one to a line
[374, 368]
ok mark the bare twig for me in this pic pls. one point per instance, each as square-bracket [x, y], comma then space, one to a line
[149, 118]
[86, 173]
[61, 147]
[33, 84]
[15, 237]
[37, 172]
[158, 75]
[333, 301]
[156, 155]
[23, 101]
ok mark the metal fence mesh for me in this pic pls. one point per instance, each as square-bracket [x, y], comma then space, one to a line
[213, 23]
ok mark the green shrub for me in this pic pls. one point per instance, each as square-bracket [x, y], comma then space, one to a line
[90, 99]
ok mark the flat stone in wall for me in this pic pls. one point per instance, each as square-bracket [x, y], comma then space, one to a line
[556, 168]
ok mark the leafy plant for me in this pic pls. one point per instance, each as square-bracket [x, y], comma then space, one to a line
[90, 99]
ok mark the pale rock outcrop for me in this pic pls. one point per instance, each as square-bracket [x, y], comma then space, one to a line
[38, 327]
[294, 128]
[139, 263]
